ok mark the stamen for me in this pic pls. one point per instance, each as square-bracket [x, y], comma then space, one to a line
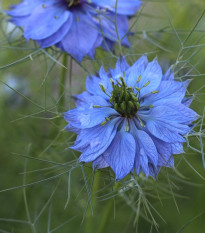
[102, 87]
[146, 84]
[150, 106]
[152, 92]
[103, 123]
[155, 92]
[98, 106]
[139, 78]
[106, 120]
[104, 90]
[138, 90]
[140, 121]
[127, 127]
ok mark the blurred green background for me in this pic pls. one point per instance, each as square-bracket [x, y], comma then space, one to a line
[31, 125]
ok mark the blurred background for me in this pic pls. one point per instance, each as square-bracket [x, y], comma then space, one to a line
[42, 187]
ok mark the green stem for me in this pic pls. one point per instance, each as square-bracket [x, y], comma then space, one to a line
[89, 216]
[61, 93]
[106, 216]
[70, 75]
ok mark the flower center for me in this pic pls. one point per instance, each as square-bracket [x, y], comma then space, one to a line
[73, 2]
[123, 99]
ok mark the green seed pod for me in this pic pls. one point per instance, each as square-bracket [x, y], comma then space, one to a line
[123, 106]
[131, 105]
[116, 106]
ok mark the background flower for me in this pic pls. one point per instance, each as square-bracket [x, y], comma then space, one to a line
[131, 118]
[77, 27]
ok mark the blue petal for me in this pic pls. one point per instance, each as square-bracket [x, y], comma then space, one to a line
[58, 35]
[153, 171]
[165, 132]
[120, 67]
[152, 76]
[146, 151]
[98, 42]
[53, 19]
[169, 75]
[100, 163]
[121, 154]
[173, 113]
[95, 145]
[123, 7]
[88, 118]
[168, 123]
[177, 148]
[93, 84]
[165, 152]
[25, 8]
[19, 21]
[146, 147]
[108, 28]
[187, 101]
[136, 70]
[169, 91]
[107, 45]
[87, 100]
[144, 166]
[81, 37]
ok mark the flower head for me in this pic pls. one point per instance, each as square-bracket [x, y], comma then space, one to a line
[77, 27]
[131, 118]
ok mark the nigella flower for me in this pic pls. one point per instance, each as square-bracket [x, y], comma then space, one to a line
[77, 27]
[131, 119]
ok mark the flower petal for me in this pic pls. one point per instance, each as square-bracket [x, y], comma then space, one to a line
[24, 8]
[88, 118]
[151, 78]
[135, 71]
[120, 67]
[123, 7]
[99, 163]
[81, 31]
[143, 140]
[168, 92]
[95, 145]
[53, 16]
[58, 35]
[121, 153]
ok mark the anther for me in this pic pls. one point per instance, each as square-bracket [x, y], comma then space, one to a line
[139, 78]
[103, 123]
[123, 81]
[138, 90]
[146, 84]
[155, 92]
[102, 87]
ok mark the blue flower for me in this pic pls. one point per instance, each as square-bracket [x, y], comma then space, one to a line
[131, 118]
[77, 27]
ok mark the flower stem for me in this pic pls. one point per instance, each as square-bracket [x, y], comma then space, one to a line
[106, 216]
[89, 216]
[70, 75]
[61, 94]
